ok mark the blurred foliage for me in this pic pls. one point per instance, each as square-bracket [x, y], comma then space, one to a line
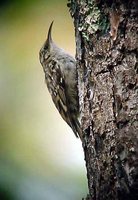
[40, 158]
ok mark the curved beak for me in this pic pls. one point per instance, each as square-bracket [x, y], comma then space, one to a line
[49, 38]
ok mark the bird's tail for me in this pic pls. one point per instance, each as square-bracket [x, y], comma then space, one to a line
[76, 127]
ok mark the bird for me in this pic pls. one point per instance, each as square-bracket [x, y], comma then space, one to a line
[61, 79]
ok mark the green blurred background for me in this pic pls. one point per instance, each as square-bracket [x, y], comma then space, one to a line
[40, 158]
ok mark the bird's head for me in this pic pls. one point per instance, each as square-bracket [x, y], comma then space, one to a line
[47, 47]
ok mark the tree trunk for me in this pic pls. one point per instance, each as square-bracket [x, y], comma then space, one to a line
[106, 54]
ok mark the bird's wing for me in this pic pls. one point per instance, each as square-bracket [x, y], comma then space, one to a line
[57, 89]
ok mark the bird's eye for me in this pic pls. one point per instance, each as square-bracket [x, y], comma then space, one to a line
[45, 47]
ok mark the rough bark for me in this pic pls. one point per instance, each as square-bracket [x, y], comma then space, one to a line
[106, 54]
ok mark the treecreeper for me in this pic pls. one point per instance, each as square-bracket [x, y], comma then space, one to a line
[61, 79]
